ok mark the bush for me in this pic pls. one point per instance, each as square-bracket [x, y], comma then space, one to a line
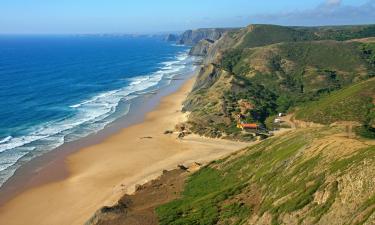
[365, 131]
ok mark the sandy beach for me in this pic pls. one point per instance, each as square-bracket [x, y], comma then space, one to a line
[99, 174]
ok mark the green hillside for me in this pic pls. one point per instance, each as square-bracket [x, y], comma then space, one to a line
[303, 176]
[261, 35]
[272, 78]
[355, 103]
[307, 175]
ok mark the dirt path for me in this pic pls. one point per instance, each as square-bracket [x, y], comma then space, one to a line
[294, 123]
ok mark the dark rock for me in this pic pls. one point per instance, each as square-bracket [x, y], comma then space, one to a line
[168, 132]
[171, 38]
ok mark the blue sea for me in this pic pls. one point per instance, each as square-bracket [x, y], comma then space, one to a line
[57, 89]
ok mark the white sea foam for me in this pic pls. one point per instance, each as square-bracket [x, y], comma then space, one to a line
[8, 159]
[5, 139]
[90, 115]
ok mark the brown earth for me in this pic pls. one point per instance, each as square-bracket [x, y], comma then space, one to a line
[139, 208]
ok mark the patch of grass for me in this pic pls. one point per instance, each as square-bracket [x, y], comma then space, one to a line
[269, 122]
[320, 210]
[262, 35]
[203, 191]
[205, 181]
[303, 198]
[343, 164]
[350, 104]
[365, 207]
[236, 213]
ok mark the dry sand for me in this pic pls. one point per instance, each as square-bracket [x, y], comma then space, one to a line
[100, 174]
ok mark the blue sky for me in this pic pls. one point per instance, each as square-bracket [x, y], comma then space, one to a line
[151, 16]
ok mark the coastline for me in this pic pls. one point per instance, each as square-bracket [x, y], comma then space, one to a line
[99, 174]
[49, 167]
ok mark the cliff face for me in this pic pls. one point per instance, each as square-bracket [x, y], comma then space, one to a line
[201, 48]
[192, 37]
[171, 38]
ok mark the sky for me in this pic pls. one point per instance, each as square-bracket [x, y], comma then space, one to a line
[158, 16]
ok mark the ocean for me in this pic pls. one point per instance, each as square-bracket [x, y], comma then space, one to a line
[58, 89]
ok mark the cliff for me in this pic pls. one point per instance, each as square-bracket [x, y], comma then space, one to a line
[171, 38]
[192, 37]
[201, 48]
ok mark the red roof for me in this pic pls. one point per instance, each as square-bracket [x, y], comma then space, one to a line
[249, 125]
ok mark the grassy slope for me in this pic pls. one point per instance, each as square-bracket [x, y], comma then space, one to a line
[312, 175]
[261, 35]
[301, 176]
[316, 65]
[350, 104]
[274, 78]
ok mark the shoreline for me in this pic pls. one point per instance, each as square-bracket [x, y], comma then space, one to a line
[37, 171]
[99, 174]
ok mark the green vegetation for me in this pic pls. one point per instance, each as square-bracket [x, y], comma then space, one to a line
[354, 103]
[319, 211]
[343, 164]
[271, 178]
[301, 176]
[368, 208]
[366, 131]
[262, 35]
[276, 69]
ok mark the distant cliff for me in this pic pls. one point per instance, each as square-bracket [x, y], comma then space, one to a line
[201, 40]
[192, 37]
[171, 38]
[201, 48]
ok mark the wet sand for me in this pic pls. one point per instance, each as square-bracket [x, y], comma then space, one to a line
[100, 174]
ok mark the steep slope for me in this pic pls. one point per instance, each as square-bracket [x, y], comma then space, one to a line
[201, 48]
[307, 176]
[251, 76]
[355, 103]
[192, 37]
[171, 38]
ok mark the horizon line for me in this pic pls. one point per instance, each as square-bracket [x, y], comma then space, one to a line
[168, 32]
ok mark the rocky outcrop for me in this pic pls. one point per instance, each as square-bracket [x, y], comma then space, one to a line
[192, 37]
[139, 208]
[202, 48]
[171, 38]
